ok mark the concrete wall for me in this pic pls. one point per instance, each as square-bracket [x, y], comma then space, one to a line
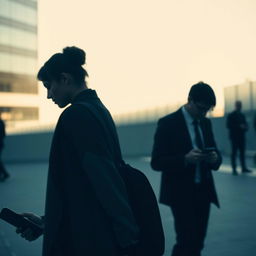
[27, 147]
[135, 140]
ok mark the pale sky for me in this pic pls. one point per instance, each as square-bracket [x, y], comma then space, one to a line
[147, 53]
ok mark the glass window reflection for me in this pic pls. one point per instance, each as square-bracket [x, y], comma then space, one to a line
[18, 38]
[18, 12]
[19, 113]
[5, 35]
[5, 8]
[17, 64]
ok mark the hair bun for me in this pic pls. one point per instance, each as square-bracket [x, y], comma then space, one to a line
[74, 55]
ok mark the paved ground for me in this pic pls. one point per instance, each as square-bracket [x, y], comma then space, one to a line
[232, 229]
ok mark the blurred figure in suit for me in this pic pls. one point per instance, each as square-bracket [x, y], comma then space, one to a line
[237, 125]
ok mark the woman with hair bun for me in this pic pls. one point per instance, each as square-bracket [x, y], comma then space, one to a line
[87, 210]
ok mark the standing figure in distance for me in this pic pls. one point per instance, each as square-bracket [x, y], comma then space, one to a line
[237, 126]
[3, 173]
[254, 126]
[87, 210]
[186, 153]
[254, 122]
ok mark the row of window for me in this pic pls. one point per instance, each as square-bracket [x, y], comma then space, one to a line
[18, 88]
[31, 3]
[18, 12]
[19, 113]
[11, 63]
[18, 38]
[15, 83]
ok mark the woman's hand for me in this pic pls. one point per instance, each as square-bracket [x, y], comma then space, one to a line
[28, 233]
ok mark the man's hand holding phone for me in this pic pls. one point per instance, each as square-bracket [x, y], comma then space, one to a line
[194, 156]
[211, 156]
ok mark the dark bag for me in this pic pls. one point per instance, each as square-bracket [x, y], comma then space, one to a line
[144, 205]
[142, 198]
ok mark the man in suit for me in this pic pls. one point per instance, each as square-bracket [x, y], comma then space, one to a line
[237, 126]
[185, 152]
[3, 173]
[87, 210]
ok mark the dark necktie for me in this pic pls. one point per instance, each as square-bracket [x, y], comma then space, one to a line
[199, 141]
[200, 145]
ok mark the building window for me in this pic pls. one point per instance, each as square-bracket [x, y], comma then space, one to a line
[15, 83]
[18, 38]
[19, 113]
[5, 87]
[17, 64]
[18, 12]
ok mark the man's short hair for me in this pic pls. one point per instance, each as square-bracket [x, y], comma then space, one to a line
[203, 93]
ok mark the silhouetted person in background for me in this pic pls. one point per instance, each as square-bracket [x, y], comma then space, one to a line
[237, 125]
[254, 126]
[87, 210]
[185, 152]
[254, 122]
[3, 173]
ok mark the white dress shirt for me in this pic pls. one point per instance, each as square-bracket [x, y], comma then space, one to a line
[191, 129]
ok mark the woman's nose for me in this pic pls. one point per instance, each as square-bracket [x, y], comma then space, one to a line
[49, 94]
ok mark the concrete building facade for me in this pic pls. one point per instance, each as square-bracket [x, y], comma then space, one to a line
[18, 62]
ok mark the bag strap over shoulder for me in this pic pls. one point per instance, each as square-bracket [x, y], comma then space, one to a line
[108, 125]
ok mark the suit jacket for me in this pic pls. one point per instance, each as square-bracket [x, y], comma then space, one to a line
[171, 143]
[234, 121]
[87, 210]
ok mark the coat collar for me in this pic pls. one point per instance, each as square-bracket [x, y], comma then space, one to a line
[84, 95]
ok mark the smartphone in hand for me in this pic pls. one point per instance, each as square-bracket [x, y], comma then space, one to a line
[20, 221]
[208, 150]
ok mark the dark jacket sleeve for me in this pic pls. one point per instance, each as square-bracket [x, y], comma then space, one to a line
[164, 155]
[216, 165]
[110, 190]
[245, 123]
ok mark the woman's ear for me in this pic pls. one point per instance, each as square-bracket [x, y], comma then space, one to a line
[66, 78]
